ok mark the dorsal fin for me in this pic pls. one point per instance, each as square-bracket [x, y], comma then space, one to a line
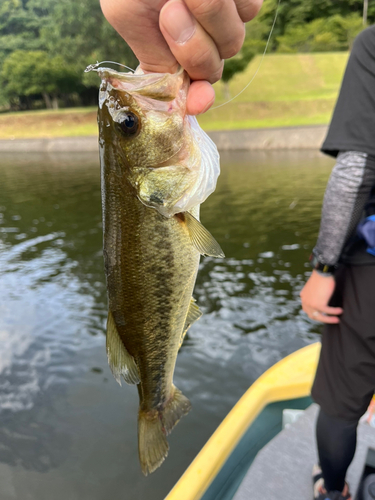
[202, 239]
[120, 361]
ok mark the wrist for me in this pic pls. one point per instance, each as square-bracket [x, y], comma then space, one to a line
[323, 275]
[320, 267]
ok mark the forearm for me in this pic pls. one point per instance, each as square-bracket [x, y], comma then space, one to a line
[347, 192]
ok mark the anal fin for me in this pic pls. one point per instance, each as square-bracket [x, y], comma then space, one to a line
[120, 361]
[201, 238]
[176, 407]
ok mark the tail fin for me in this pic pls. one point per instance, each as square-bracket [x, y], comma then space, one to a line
[152, 443]
[152, 430]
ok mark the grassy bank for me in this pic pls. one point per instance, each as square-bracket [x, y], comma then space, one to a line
[59, 123]
[293, 89]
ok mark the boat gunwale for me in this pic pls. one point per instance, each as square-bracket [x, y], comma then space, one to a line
[289, 378]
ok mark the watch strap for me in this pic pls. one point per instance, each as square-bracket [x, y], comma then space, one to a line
[321, 267]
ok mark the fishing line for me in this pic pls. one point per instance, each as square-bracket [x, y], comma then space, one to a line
[260, 64]
[93, 67]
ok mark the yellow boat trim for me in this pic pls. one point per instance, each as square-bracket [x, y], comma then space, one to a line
[290, 378]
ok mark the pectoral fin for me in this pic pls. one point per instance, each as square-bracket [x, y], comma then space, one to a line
[120, 361]
[193, 314]
[202, 239]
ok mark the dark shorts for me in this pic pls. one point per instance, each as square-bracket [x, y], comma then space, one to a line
[345, 378]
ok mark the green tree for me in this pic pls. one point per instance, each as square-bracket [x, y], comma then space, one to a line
[79, 32]
[299, 13]
[21, 24]
[321, 35]
[73, 33]
[32, 73]
[350, 27]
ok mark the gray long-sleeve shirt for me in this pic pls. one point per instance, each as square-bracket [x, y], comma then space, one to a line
[348, 190]
[351, 137]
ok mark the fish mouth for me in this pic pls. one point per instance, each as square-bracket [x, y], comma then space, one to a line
[158, 86]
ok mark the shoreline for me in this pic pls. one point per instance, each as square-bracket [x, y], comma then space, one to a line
[302, 137]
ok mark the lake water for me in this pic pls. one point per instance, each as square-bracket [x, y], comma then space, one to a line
[68, 431]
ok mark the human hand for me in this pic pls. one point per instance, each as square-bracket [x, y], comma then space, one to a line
[197, 34]
[315, 296]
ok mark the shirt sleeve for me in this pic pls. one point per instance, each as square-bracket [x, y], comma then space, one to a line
[347, 192]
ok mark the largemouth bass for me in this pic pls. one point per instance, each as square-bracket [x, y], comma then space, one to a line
[152, 183]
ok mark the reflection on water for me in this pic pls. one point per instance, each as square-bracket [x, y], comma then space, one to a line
[65, 425]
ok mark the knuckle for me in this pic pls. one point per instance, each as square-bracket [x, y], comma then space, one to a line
[165, 67]
[248, 9]
[216, 75]
[233, 47]
[256, 6]
[201, 58]
[205, 8]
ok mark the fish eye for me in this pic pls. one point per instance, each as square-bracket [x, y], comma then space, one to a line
[128, 124]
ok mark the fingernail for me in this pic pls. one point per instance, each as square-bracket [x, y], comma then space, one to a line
[178, 22]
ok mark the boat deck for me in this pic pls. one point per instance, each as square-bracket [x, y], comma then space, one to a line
[282, 469]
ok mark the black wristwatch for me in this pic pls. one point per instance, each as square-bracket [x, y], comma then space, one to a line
[320, 266]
